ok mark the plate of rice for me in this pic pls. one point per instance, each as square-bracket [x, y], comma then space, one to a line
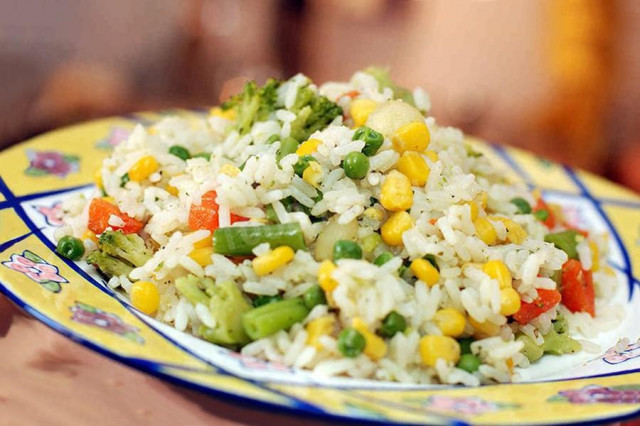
[331, 250]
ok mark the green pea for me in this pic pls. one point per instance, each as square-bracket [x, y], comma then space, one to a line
[302, 164]
[372, 140]
[124, 179]
[351, 343]
[522, 205]
[205, 155]
[393, 323]
[383, 258]
[70, 247]
[355, 165]
[314, 296]
[344, 249]
[541, 215]
[265, 300]
[287, 146]
[469, 362]
[180, 152]
[465, 345]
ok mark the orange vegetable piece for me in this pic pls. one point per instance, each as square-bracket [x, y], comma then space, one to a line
[99, 213]
[546, 300]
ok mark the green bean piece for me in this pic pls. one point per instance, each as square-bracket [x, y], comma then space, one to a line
[302, 164]
[273, 138]
[240, 240]
[522, 205]
[351, 343]
[383, 258]
[124, 179]
[355, 165]
[269, 319]
[469, 362]
[271, 213]
[345, 249]
[372, 140]
[566, 241]
[70, 247]
[393, 323]
[265, 300]
[287, 146]
[541, 215]
[465, 345]
[180, 152]
[314, 296]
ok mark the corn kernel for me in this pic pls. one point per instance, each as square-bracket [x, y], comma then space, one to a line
[318, 327]
[205, 242]
[375, 348]
[313, 174]
[484, 329]
[360, 110]
[89, 235]
[171, 190]
[433, 348]
[272, 260]
[431, 155]
[202, 255]
[308, 147]
[450, 321]
[425, 271]
[97, 177]
[497, 270]
[595, 256]
[509, 301]
[485, 231]
[373, 213]
[110, 200]
[413, 166]
[412, 136]
[152, 130]
[396, 193]
[515, 233]
[229, 114]
[394, 227]
[484, 200]
[230, 170]
[473, 210]
[143, 168]
[145, 296]
[325, 281]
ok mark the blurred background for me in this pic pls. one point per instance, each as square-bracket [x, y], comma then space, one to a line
[557, 77]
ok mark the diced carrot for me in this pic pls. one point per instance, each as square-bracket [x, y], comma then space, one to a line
[101, 210]
[352, 94]
[578, 293]
[550, 222]
[205, 215]
[546, 300]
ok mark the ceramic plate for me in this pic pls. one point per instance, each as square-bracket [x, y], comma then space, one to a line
[36, 176]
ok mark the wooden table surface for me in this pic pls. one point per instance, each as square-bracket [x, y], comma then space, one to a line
[47, 379]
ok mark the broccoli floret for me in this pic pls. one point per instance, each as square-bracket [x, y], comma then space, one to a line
[253, 104]
[227, 304]
[314, 116]
[384, 80]
[190, 287]
[109, 265]
[129, 247]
